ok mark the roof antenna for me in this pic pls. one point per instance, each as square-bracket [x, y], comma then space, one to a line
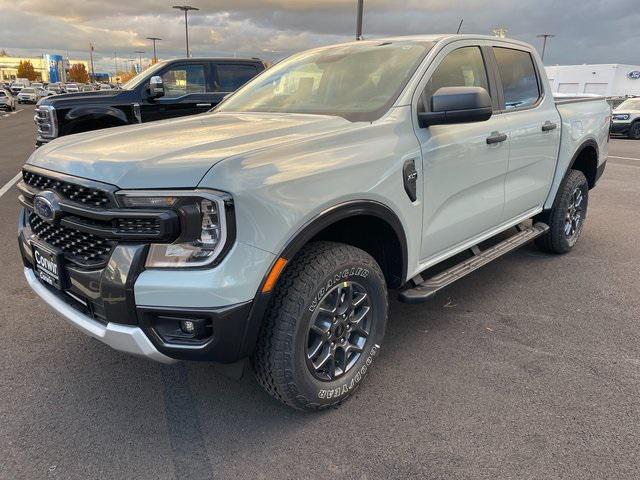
[460, 26]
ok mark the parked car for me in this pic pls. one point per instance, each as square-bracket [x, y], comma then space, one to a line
[626, 119]
[169, 89]
[56, 88]
[71, 88]
[37, 85]
[43, 92]
[16, 88]
[87, 88]
[104, 86]
[29, 95]
[273, 227]
[7, 102]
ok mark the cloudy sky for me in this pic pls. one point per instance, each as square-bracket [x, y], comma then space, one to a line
[587, 31]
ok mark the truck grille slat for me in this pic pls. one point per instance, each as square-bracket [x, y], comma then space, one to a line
[84, 195]
[79, 247]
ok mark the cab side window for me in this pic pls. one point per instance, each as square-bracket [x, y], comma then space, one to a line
[181, 80]
[463, 67]
[231, 77]
[518, 76]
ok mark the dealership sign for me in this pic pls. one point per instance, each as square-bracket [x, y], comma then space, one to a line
[635, 75]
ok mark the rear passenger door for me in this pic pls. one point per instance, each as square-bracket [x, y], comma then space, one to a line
[231, 76]
[534, 129]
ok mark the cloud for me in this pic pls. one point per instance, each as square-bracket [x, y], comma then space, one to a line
[587, 31]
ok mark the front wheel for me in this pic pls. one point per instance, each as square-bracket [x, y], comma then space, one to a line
[324, 327]
[567, 216]
[634, 131]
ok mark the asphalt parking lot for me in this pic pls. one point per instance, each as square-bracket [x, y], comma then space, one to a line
[528, 368]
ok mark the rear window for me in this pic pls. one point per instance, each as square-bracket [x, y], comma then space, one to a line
[519, 79]
[232, 77]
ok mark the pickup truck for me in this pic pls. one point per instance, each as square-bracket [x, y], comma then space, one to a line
[273, 227]
[168, 89]
[626, 119]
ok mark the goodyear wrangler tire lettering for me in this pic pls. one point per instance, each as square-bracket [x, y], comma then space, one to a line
[324, 326]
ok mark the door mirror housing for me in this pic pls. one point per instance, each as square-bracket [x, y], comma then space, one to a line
[156, 87]
[457, 105]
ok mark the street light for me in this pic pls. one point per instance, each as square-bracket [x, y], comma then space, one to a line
[544, 36]
[154, 40]
[359, 20]
[185, 9]
[139, 52]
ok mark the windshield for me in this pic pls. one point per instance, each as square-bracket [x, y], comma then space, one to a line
[359, 81]
[630, 104]
[142, 76]
[28, 90]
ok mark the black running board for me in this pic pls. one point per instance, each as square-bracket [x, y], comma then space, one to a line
[428, 288]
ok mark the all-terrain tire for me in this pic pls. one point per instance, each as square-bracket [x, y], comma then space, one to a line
[561, 237]
[313, 277]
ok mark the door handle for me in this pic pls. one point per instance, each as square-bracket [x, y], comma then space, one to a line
[496, 137]
[203, 104]
[548, 126]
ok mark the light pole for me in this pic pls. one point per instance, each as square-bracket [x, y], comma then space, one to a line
[359, 19]
[186, 9]
[139, 52]
[544, 37]
[93, 75]
[154, 40]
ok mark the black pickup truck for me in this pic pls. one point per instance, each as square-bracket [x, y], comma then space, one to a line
[169, 89]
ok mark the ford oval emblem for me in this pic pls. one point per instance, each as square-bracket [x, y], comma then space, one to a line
[46, 206]
[635, 75]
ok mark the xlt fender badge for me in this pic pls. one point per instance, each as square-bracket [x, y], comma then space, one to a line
[410, 178]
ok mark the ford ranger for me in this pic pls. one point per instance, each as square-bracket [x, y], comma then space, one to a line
[273, 227]
[626, 119]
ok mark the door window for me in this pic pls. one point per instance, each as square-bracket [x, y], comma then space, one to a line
[519, 79]
[181, 80]
[231, 77]
[463, 67]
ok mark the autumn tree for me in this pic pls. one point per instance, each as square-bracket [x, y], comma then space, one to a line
[26, 70]
[78, 73]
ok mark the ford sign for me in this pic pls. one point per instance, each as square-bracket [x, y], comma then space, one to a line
[635, 75]
[46, 206]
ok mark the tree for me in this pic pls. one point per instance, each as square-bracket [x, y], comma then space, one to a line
[26, 70]
[78, 73]
[3, 53]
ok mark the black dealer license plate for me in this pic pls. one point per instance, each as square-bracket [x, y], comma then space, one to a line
[49, 265]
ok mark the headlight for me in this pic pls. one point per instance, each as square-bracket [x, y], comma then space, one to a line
[204, 225]
[621, 116]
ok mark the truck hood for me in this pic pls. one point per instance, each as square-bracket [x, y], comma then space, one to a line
[175, 153]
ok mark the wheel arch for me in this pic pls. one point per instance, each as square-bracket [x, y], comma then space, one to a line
[388, 247]
[586, 160]
[89, 116]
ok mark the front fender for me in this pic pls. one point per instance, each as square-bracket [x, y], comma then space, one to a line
[97, 111]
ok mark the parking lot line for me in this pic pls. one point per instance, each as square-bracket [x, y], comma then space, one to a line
[10, 184]
[624, 158]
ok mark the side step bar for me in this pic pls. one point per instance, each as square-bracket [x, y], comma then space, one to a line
[427, 289]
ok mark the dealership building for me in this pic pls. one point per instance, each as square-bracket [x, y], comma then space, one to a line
[610, 80]
[49, 68]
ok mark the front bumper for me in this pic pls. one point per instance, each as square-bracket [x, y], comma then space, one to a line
[110, 305]
[124, 338]
[620, 128]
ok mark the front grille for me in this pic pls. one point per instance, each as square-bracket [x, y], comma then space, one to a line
[84, 195]
[78, 247]
[146, 226]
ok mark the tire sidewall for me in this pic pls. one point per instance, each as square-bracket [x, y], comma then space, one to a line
[575, 180]
[330, 392]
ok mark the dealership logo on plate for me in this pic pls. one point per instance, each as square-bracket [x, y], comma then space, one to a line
[635, 75]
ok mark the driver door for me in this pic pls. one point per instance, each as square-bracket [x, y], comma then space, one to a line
[464, 173]
[185, 87]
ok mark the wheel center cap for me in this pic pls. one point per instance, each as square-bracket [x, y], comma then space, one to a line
[339, 331]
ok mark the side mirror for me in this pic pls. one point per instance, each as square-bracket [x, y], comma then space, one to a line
[457, 105]
[156, 87]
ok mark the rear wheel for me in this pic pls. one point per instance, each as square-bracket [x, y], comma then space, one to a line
[323, 328]
[634, 131]
[567, 216]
